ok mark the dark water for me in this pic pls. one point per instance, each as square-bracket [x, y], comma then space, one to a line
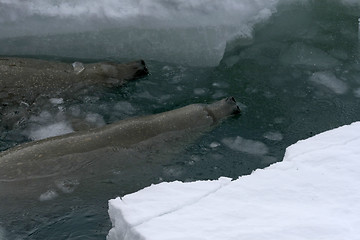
[298, 75]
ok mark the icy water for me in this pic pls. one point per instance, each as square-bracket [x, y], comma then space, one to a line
[293, 67]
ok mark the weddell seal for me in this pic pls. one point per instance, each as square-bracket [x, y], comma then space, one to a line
[91, 153]
[23, 80]
[48, 177]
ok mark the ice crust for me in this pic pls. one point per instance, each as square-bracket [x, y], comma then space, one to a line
[312, 194]
[190, 32]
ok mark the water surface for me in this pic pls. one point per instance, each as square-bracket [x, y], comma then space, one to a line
[294, 71]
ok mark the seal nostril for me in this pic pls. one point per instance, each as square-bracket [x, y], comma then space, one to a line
[237, 110]
[230, 99]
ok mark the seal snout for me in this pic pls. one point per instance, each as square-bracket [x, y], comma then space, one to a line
[236, 111]
[141, 69]
[231, 100]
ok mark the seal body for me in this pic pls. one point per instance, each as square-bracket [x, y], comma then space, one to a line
[104, 162]
[85, 154]
[23, 80]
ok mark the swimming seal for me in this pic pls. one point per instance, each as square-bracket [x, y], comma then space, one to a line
[109, 161]
[102, 149]
[23, 80]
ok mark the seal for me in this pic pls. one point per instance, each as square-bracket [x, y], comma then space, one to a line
[59, 156]
[109, 161]
[23, 80]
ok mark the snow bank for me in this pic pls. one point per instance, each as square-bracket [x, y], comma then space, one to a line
[313, 194]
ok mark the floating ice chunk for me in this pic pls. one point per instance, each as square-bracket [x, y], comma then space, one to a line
[43, 117]
[302, 55]
[214, 144]
[279, 120]
[146, 95]
[219, 94]
[274, 136]
[78, 67]
[75, 110]
[125, 107]
[2, 233]
[245, 145]
[49, 195]
[330, 81]
[351, 2]
[357, 92]
[339, 54]
[56, 101]
[173, 171]
[95, 118]
[220, 85]
[51, 130]
[167, 68]
[199, 91]
[231, 61]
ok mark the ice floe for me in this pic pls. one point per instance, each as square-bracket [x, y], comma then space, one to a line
[330, 81]
[312, 194]
[246, 145]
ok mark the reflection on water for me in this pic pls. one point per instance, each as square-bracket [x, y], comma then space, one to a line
[299, 75]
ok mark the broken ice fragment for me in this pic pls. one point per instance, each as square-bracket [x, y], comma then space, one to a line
[78, 67]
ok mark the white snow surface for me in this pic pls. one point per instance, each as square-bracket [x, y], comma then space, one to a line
[314, 193]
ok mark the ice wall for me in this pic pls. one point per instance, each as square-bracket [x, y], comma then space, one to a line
[181, 31]
[312, 194]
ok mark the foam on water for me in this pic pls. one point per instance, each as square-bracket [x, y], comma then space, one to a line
[49, 195]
